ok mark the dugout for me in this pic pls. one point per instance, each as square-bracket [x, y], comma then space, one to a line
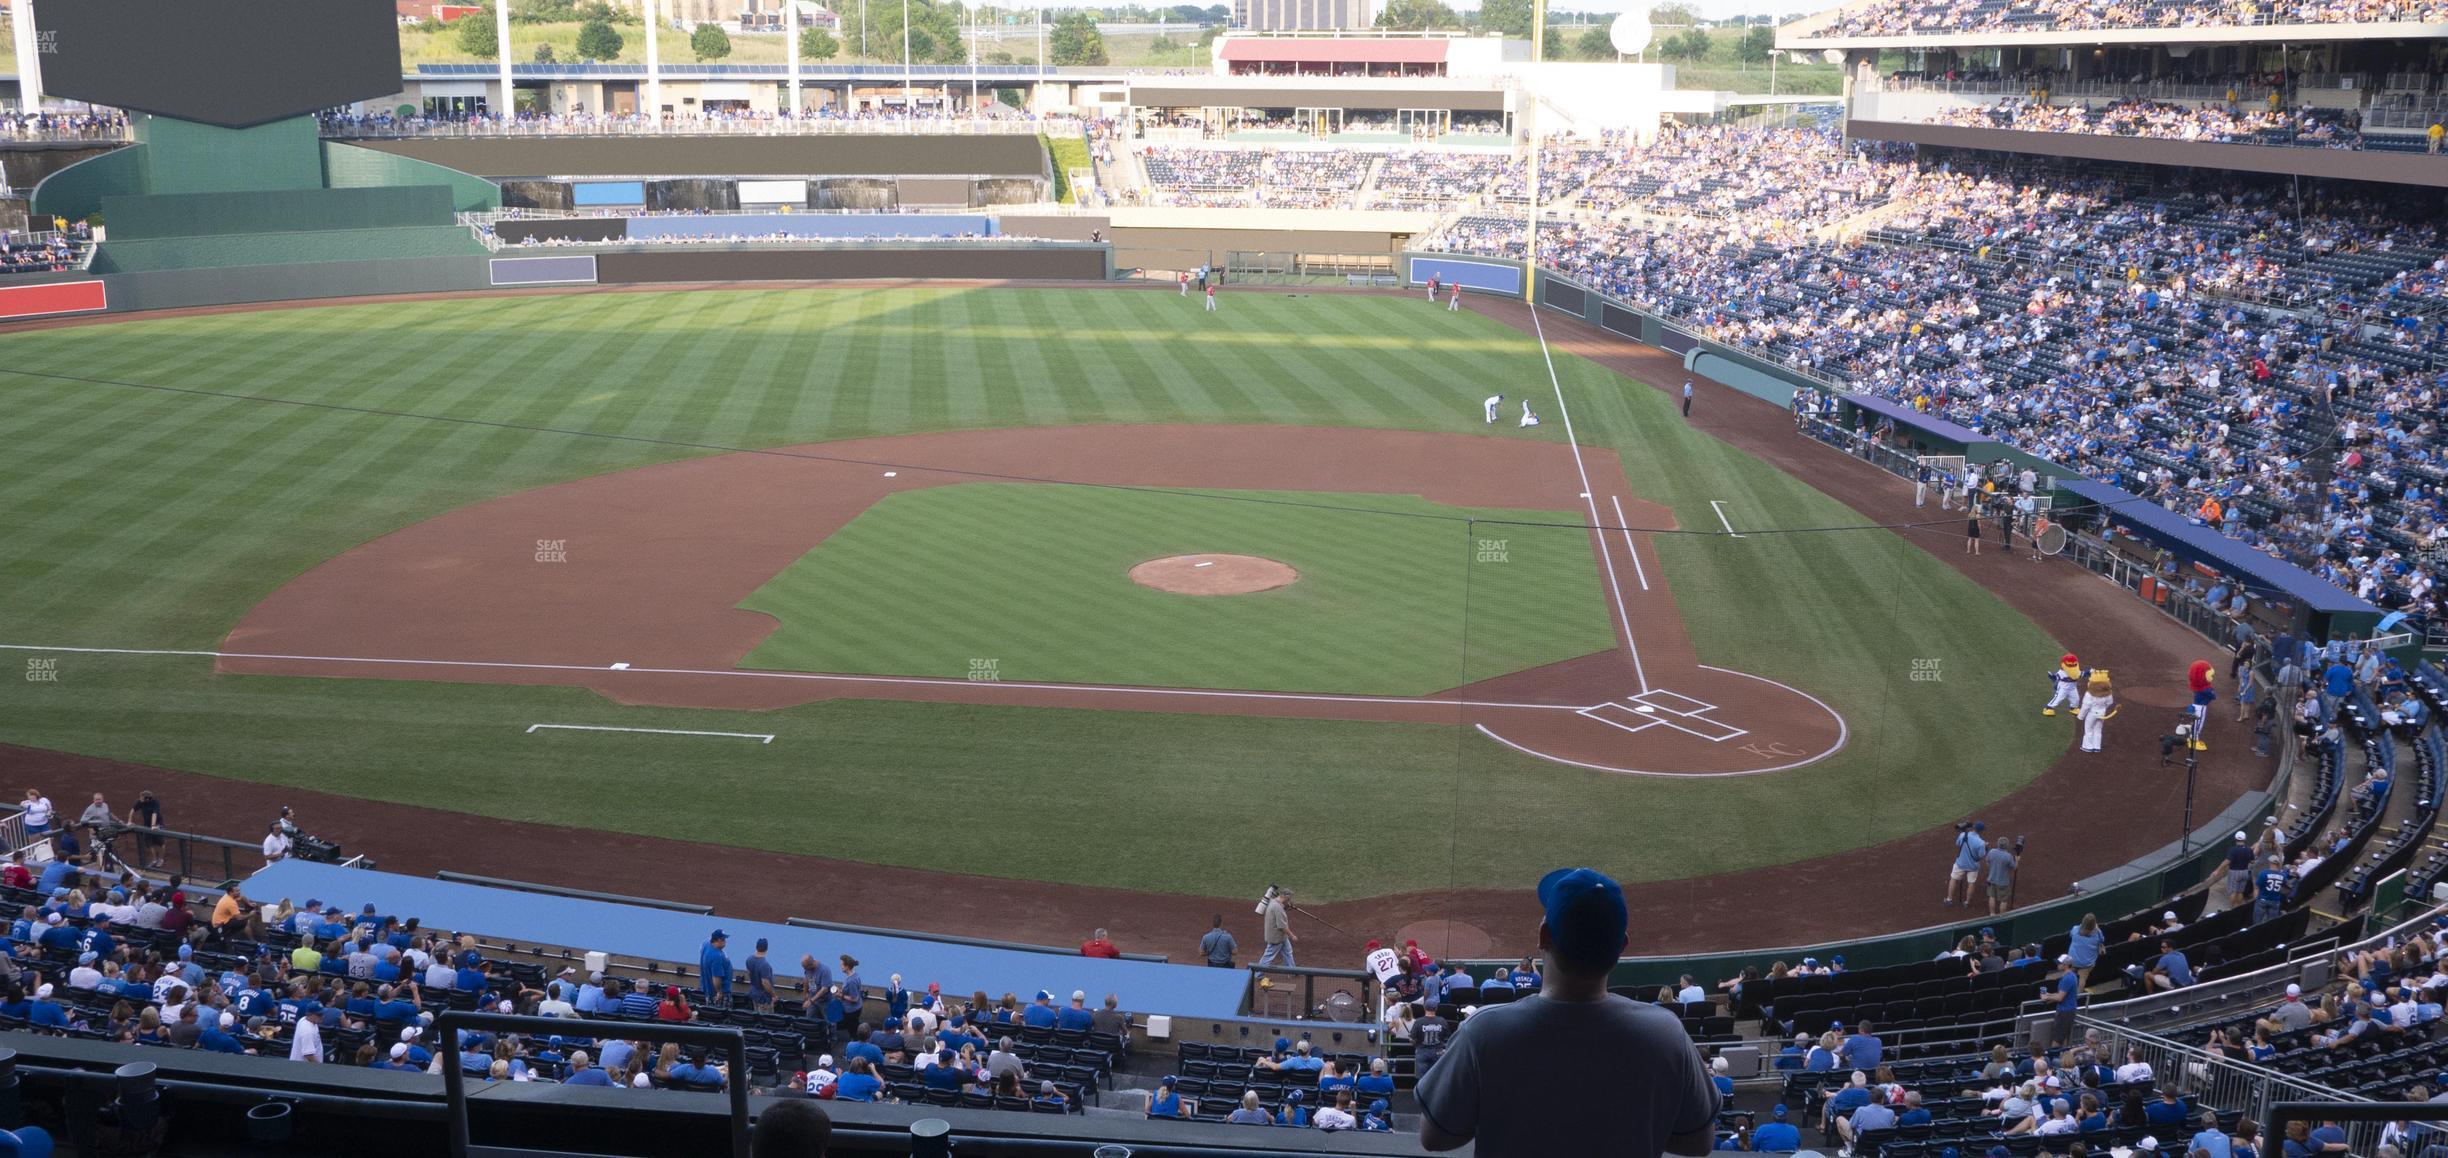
[2315, 607]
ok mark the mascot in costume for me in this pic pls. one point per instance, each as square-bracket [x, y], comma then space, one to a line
[2197, 677]
[2098, 707]
[2066, 679]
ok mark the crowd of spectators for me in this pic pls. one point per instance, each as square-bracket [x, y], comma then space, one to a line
[1428, 179]
[2266, 370]
[55, 125]
[117, 956]
[2162, 119]
[48, 252]
[578, 121]
[1931, 17]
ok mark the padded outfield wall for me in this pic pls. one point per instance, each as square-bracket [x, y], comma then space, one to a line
[734, 156]
[299, 281]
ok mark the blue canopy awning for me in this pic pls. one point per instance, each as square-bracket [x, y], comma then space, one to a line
[2267, 574]
[1907, 417]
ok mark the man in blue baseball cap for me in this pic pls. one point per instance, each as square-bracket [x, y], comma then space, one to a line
[1777, 1135]
[1572, 1068]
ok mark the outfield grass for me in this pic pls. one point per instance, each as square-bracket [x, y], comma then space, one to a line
[1036, 579]
[149, 519]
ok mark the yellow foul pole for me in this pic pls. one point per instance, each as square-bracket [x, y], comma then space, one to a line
[1538, 55]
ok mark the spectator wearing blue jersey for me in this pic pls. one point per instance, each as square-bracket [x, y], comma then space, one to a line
[714, 968]
[1863, 1049]
[1778, 1135]
[1076, 1015]
[2171, 971]
[2269, 891]
[2083, 944]
[1041, 1012]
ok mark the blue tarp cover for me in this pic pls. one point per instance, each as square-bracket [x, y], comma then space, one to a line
[2194, 543]
[629, 931]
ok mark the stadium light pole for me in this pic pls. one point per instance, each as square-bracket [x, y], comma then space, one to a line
[29, 59]
[654, 62]
[909, 88]
[790, 51]
[501, 47]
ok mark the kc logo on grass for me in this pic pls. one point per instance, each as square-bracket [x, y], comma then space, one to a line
[985, 671]
[1494, 551]
[42, 670]
[1925, 671]
[552, 551]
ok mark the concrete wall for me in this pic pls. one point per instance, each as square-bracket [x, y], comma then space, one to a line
[1146, 248]
[980, 156]
[1068, 263]
[2344, 164]
[174, 289]
[26, 163]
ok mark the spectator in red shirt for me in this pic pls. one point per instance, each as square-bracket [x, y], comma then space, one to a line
[18, 876]
[1099, 946]
[674, 1007]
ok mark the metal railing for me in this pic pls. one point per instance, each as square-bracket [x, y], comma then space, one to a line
[1289, 992]
[2211, 1081]
[454, 1082]
[188, 854]
[697, 127]
[2217, 999]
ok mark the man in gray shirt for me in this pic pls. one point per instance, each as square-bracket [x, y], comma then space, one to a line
[1571, 1069]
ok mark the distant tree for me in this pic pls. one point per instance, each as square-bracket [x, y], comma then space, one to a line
[1186, 14]
[1009, 96]
[1218, 14]
[544, 54]
[1418, 15]
[1554, 49]
[1207, 36]
[1757, 41]
[934, 32]
[1672, 14]
[999, 57]
[1075, 40]
[1689, 44]
[710, 42]
[817, 44]
[598, 40]
[1511, 17]
[475, 32]
[1595, 44]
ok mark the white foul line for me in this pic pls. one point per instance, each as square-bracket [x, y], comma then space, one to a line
[1719, 507]
[760, 737]
[1638, 572]
[750, 673]
[1606, 555]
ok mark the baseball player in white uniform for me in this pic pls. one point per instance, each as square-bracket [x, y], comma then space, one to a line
[1494, 401]
[1528, 418]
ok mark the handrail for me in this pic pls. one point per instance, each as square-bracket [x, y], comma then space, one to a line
[459, 878]
[955, 939]
[454, 1082]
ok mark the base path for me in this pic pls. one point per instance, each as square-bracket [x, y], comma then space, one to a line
[639, 600]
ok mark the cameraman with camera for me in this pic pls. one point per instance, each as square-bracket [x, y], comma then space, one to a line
[1278, 924]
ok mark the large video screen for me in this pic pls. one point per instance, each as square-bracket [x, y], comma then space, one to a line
[233, 63]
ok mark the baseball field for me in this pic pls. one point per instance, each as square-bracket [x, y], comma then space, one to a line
[1080, 586]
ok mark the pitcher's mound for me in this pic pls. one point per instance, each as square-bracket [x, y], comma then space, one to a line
[1213, 574]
